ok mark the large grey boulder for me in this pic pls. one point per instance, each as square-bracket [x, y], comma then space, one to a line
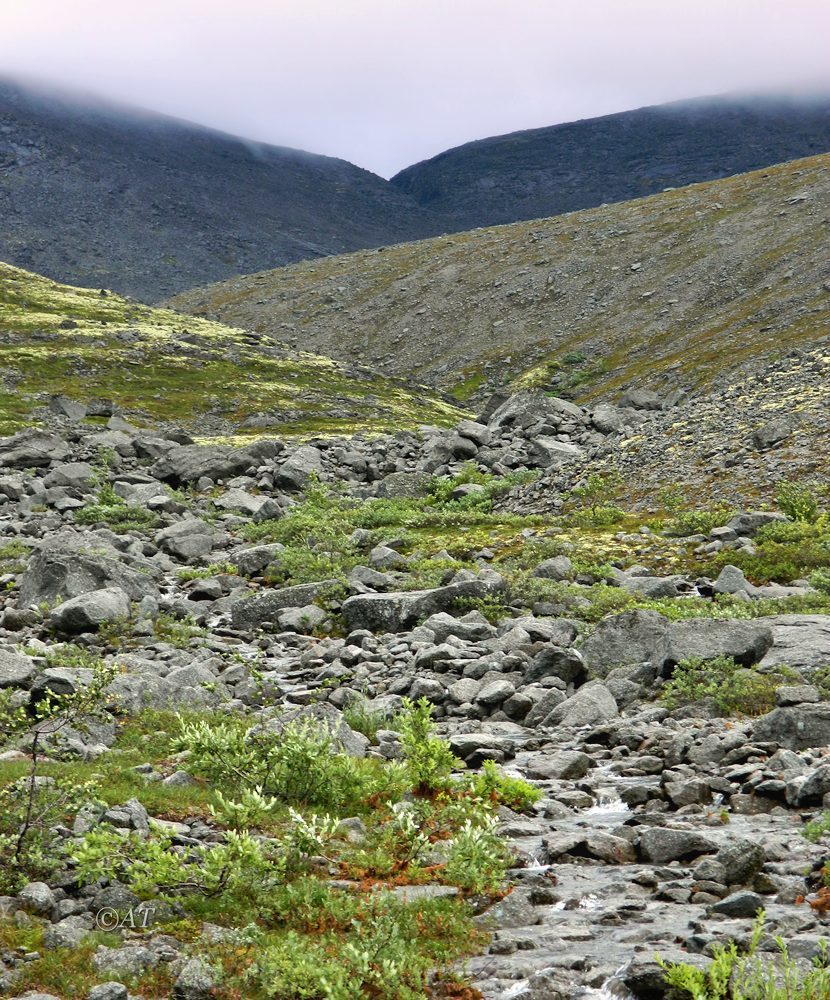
[74, 475]
[15, 670]
[748, 522]
[706, 638]
[798, 641]
[190, 462]
[404, 485]
[188, 540]
[527, 408]
[592, 704]
[328, 718]
[89, 612]
[297, 470]
[662, 844]
[397, 611]
[548, 452]
[795, 727]
[68, 565]
[250, 612]
[32, 448]
[623, 639]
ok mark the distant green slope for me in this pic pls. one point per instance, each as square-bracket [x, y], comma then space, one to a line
[161, 367]
[676, 289]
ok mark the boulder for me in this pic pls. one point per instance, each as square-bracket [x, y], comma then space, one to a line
[795, 727]
[397, 611]
[660, 845]
[592, 704]
[31, 449]
[88, 612]
[798, 641]
[187, 540]
[706, 638]
[404, 485]
[250, 612]
[619, 640]
[295, 472]
[15, 670]
[68, 565]
[190, 462]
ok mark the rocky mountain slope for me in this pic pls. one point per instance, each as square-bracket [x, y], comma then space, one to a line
[563, 168]
[89, 354]
[102, 195]
[630, 719]
[672, 291]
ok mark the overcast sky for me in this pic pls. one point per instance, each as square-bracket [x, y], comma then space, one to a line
[385, 83]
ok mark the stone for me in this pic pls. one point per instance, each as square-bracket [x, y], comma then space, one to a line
[395, 611]
[15, 670]
[32, 448]
[742, 859]
[196, 981]
[552, 661]
[37, 898]
[294, 474]
[742, 904]
[68, 565]
[773, 431]
[250, 612]
[707, 638]
[627, 638]
[795, 727]
[731, 580]
[592, 704]
[801, 642]
[556, 568]
[191, 462]
[495, 693]
[565, 765]
[404, 485]
[189, 539]
[660, 845]
[89, 612]
[747, 523]
[108, 991]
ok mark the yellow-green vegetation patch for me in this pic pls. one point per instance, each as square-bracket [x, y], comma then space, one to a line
[160, 366]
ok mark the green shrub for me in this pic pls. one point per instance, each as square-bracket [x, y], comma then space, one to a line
[429, 758]
[732, 688]
[364, 719]
[696, 522]
[798, 501]
[751, 976]
[820, 580]
[817, 829]
[492, 784]
[478, 858]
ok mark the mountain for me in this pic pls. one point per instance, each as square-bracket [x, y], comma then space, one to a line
[97, 194]
[669, 291]
[564, 168]
[157, 368]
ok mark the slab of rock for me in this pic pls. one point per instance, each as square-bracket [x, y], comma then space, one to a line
[798, 641]
[620, 640]
[592, 704]
[706, 638]
[16, 671]
[89, 612]
[795, 727]
[660, 845]
[250, 612]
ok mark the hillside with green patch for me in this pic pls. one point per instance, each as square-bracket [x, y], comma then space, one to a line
[673, 290]
[158, 367]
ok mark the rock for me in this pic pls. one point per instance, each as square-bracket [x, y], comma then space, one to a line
[608, 419]
[748, 522]
[191, 462]
[303, 620]
[523, 409]
[89, 611]
[327, 716]
[592, 704]
[707, 638]
[557, 568]
[296, 471]
[73, 475]
[801, 642]
[742, 859]
[627, 638]
[252, 561]
[108, 991]
[241, 501]
[69, 565]
[548, 452]
[495, 693]
[566, 765]
[743, 904]
[566, 664]
[394, 612]
[794, 694]
[32, 448]
[37, 898]
[795, 727]
[731, 580]
[195, 982]
[67, 933]
[15, 670]
[641, 399]
[250, 612]
[404, 485]
[187, 540]
[660, 845]
[774, 431]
